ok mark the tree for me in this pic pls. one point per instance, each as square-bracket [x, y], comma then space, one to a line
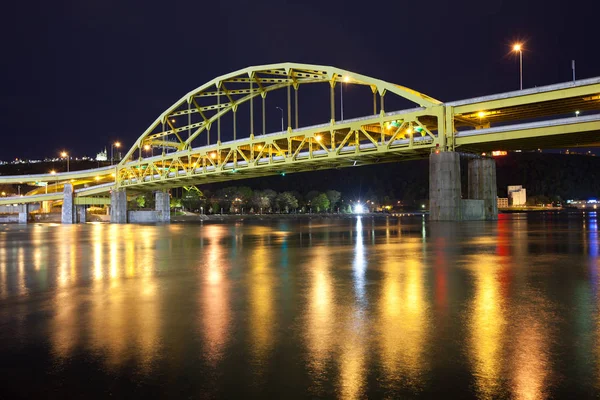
[311, 195]
[334, 197]
[321, 202]
[192, 198]
[286, 201]
[260, 201]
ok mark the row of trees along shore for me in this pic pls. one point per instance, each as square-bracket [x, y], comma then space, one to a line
[242, 199]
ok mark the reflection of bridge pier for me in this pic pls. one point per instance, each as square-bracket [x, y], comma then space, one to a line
[445, 199]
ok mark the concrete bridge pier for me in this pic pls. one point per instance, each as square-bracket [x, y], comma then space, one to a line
[118, 206]
[445, 199]
[444, 186]
[24, 213]
[68, 214]
[482, 185]
[81, 214]
[163, 206]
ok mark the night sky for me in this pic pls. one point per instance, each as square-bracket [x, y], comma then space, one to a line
[77, 75]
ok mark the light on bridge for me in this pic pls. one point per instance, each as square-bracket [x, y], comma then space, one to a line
[481, 114]
[53, 172]
[499, 153]
[213, 155]
[318, 138]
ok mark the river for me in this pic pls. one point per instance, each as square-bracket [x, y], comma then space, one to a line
[306, 308]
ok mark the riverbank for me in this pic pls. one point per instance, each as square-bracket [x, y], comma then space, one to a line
[264, 217]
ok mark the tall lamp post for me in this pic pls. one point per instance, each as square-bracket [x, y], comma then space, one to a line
[519, 48]
[64, 154]
[281, 109]
[112, 146]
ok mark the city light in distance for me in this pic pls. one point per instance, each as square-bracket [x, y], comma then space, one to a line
[499, 153]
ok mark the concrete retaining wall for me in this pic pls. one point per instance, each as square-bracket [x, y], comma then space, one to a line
[10, 209]
[144, 217]
[9, 219]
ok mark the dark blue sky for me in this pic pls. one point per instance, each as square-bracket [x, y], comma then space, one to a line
[79, 74]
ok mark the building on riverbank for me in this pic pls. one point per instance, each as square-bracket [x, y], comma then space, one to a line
[517, 195]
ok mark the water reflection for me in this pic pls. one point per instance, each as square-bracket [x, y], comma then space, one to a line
[261, 303]
[487, 325]
[403, 315]
[321, 327]
[214, 299]
[357, 308]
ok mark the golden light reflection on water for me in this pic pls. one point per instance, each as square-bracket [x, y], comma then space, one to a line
[530, 362]
[487, 326]
[321, 314]
[403, 315]
[214, 299]
[120, 319]
[262, 316]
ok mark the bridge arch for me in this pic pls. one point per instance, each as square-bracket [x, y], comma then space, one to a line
[198, 110]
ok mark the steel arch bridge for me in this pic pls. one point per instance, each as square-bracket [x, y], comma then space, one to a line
[188, 134]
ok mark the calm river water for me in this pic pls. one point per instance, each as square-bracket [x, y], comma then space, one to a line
[319, 308]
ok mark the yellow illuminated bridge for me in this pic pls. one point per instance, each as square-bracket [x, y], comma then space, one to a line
[187, 136]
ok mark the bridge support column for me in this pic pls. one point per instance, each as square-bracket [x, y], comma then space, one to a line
[163, 206]
[444, 186]
[23, 213]
[68, 215]
[482, 185]
[118, 206]
[81, 214]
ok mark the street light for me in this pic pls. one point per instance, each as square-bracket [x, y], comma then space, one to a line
[53, 172]
[64, 154]
[112, 146]
[519, 47]
[346, 79]
[281, 109]
[149, 148]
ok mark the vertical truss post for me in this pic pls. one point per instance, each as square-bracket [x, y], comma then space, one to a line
[374, 101]
[234, 124]
[289, 107]
[449, 128]
[263, 115]
[189, 119]
[251, 109]
[296, 104]
[441, 122]
[218, 119]
[332, 101]
[208, 137]
[382, 97]
[164, 137]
